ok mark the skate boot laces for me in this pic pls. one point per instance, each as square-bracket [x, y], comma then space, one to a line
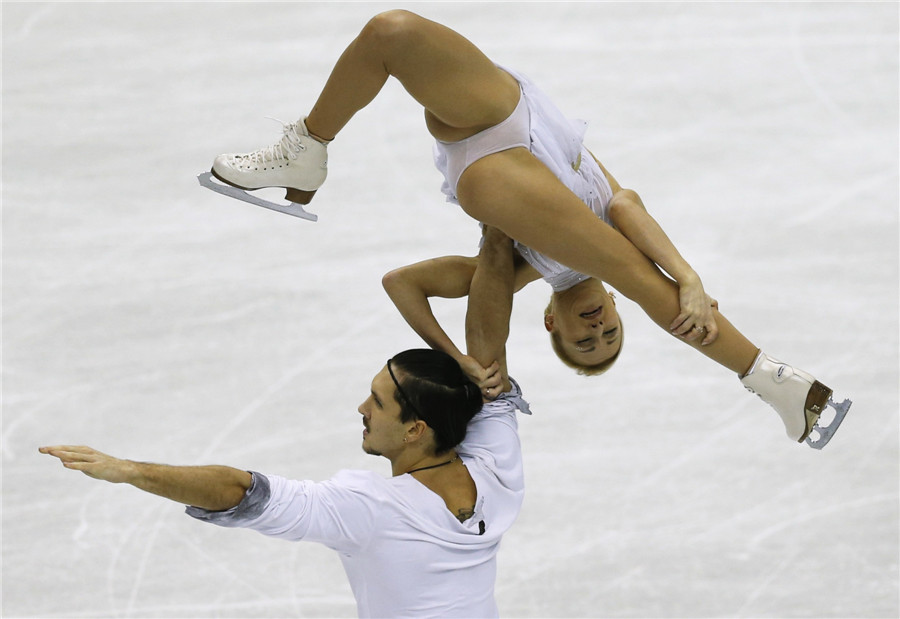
[286, 149]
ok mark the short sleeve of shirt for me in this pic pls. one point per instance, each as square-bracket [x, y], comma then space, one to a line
[493, 439]
[340, 513]
[494, 428]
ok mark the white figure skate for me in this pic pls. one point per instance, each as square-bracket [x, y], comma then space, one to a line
[298, 163]
[797, 397]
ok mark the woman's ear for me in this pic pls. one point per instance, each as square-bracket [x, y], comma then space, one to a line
[548, 322]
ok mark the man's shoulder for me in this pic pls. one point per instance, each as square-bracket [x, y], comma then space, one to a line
[369, 488]
[358, 478]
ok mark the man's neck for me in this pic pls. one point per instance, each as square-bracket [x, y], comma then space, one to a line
[411, 462]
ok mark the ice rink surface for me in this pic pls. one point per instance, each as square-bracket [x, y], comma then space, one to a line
[155, 320]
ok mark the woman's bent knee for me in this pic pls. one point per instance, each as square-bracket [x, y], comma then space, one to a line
[392, 28]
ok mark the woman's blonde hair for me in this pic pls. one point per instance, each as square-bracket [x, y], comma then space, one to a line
[580, 368]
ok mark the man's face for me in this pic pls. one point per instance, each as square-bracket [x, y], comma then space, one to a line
[384, 432]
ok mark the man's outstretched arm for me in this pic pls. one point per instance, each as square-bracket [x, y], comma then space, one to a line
[490, 303]
[215, 488]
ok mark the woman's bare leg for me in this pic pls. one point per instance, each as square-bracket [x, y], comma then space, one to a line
[514, 192]
[461, 90]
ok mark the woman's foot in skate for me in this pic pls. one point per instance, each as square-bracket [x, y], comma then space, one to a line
[298, 163]
[797, 397]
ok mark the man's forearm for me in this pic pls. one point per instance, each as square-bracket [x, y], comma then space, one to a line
[215, 488]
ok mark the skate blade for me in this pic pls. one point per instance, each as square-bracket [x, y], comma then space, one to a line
[293, 208]
[826, 432]
[816, 401]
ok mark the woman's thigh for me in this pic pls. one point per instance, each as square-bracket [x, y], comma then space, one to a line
[462, 91]
[516, 193]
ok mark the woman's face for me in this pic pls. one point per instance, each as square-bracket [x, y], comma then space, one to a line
[586, 321]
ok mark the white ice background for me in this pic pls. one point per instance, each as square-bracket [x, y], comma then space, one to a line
[155, 320]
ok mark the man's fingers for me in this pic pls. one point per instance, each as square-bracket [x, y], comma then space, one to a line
[67, 448]
[68, 457]
[76, 465]
[72, 454]
[51, 449]
[58, 451]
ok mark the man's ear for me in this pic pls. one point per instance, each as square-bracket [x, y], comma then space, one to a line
[416, 431]
[548, 322]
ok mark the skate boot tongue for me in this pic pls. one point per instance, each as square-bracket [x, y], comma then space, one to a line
[290, 145]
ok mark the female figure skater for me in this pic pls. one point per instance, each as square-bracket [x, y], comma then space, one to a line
[586, 331]
[514, 162]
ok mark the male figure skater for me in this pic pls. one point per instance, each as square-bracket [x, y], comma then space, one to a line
[422, 543]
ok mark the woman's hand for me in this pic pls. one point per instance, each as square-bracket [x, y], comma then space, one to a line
[696, 319]
[488, 379]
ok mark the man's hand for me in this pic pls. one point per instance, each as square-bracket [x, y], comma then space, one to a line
[91, 462]
[213, 487]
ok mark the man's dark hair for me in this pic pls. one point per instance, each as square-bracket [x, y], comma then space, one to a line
[432, 387]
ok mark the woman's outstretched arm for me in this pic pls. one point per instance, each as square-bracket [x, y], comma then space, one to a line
[631, 218]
